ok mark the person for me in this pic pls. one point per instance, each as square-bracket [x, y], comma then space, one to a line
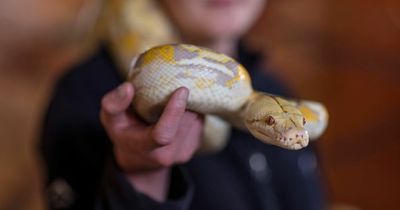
[120, 162]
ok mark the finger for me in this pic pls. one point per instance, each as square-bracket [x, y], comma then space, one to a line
[185, 142]
[132, 67]
[133, 63]
[166, 127]
[118, 100]
[114, 105]
[191, 138]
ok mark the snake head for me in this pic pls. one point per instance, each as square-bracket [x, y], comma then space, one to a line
[276, 121]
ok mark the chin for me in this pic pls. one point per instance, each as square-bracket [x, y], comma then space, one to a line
[224, 30]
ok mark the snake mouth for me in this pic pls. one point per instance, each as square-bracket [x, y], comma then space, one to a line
[264, 134]
[292, 139]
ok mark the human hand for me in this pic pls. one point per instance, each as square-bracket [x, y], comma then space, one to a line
[140, 147]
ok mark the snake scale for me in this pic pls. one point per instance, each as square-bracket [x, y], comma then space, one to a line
[220, 88]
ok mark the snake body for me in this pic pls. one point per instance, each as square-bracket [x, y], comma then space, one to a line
[221, 89]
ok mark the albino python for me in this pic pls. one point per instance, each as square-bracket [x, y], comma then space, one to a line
[221, 88]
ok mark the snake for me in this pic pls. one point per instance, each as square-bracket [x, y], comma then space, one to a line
[221, 89]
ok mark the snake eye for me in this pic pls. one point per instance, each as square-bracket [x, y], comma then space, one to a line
[270, 120]
[304, 121]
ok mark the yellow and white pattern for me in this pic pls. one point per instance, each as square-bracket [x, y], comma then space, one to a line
[220, 86]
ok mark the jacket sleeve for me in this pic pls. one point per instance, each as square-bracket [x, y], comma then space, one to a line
[117, 193]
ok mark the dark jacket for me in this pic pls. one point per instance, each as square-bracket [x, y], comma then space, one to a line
[247, 174]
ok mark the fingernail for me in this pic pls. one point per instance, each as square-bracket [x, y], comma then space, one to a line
[183, 94]
[121, 91]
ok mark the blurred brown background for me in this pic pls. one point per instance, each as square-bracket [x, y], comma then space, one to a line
[345, 53]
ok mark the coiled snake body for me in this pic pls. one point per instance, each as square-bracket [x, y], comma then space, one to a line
[221, 89]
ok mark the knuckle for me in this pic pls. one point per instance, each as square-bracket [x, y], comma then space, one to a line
[174, 114]
[162, 137]
[176, 107]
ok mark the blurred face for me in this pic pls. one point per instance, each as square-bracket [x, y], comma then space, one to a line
[213, 19]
